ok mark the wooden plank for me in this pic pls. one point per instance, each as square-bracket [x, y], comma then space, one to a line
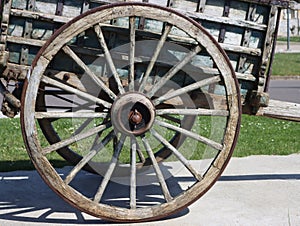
[40, 16]
[281, 110]
[267, 49]
[25, 41]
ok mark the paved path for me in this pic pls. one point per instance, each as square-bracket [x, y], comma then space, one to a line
[257, 190]
[285, 90]
[281, 47]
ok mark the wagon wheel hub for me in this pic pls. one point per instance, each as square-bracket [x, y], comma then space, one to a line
[132, 114]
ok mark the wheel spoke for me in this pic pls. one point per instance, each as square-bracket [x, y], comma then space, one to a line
[190, 134]
[94, 150]
[159, 46]
[158, 172]
[89, 72]
[181, 158]
[79, 114]
[108, 57]
[132, 28]
[186, 89]
[110, 169]
[73, 139]
[70, 89]
[174, 70]
[199, 111]
[133, 174]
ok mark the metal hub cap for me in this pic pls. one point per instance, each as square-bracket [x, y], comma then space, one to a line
[132, 114]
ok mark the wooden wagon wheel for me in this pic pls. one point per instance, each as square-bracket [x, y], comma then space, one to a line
[134, 114]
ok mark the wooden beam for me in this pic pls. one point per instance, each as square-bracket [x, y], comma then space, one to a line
[282, 110]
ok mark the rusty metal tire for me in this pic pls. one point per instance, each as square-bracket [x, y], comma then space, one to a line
[135, 115]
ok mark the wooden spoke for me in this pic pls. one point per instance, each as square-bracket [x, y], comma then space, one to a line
[108, 58]
[73, 139]
[174, 70]
[133, 173]
[94, 150]
[132, 29]
[159, 47]
[79, 114]
[70, 89]
[89, 72]
[157, 170]
[110, 169]
[190, 134]
[187, 89]
[181, 158]
[199, 111]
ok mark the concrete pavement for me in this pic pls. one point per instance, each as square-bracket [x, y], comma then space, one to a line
[256, 190]
[282, 47]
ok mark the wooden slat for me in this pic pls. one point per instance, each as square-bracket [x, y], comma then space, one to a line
[225, 20]
[25, 41]
[39, 16]
[281, 110]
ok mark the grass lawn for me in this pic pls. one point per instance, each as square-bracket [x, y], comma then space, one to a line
[259, 136]
[286, 64]
[292, 39]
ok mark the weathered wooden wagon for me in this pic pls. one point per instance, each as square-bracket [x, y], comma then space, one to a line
[128, 92]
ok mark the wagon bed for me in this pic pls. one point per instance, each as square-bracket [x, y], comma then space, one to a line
[141, 83]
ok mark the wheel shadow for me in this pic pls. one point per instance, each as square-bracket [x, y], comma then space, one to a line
[26, 198]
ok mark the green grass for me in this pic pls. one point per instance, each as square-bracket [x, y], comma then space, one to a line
[266, 136]
[13, 154]
[258, 136]
[286, 64]
[292, 39]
